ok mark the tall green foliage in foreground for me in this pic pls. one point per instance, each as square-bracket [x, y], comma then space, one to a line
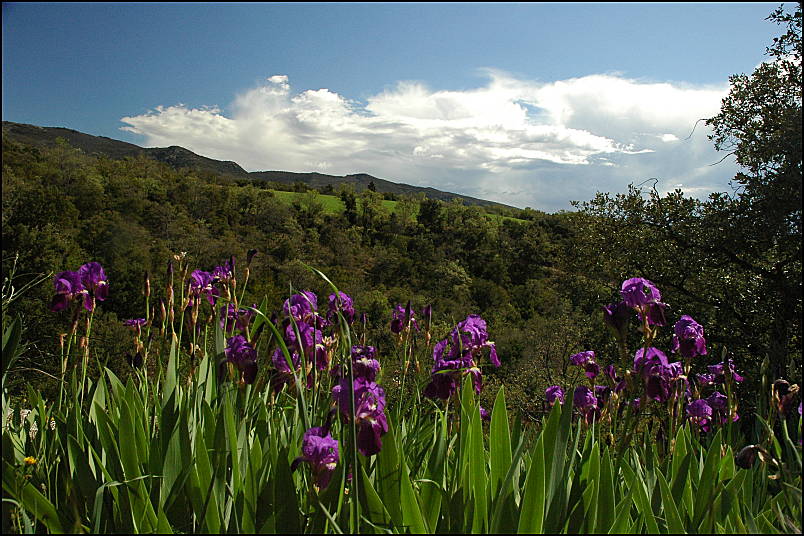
[186, 450]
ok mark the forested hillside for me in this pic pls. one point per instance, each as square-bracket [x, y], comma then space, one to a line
[734, 260]
[61, 206]
[538, 281]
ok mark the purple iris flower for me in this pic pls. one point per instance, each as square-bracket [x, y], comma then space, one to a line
[68, 287]
[484, 414]
[364, 362]
[705, 379]
[135, 322]
[94, 280]
[584, 398]
[611, 372]
[369, 400]
[284, 373]
[341, 302]
[553, 393]
[721, 369]
[234, 318]
[646, 359]
[689, 338]
[458, 355]
[700, 413]
[664, 382]
[225, 273]
[657, 313]
[717, 401]
[637, 292]
[281, 364]
[301, 307]
[320, 450]
[719, 404]
[587, 403]
[591, 369]
[582, 358]
[242, 354]
[616, 317]
[201, 282]
[402, 318]
[474, 336]
[310, 341]
[603, 393]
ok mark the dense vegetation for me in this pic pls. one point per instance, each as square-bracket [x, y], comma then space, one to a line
[145, 233]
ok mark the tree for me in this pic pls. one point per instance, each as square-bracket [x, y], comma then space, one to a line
[735, 261]
[760, 124]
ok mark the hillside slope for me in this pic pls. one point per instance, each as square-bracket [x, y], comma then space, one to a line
[179, 157]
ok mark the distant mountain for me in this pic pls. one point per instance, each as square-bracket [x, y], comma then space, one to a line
[179, 157]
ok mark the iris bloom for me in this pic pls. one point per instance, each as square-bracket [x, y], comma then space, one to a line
[309, 341]
[94, 280]
[642, 295]
[646, 359]
[616, 316]
[370, 419]
[364, 362]
[689, 338]
[224, 273]
[320, 450]
[242, 354]
[201, 282]
[459, 355]
[553, 393]
[68, 287]
[721, 369]
[582, 358]
[341, 302]
[637, 292]
[587, 403]
[233, 318]
[403, 318]
[705, 379]
[700, 413]
[301, 307]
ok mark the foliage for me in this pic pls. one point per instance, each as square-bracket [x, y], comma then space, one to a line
[737, 259]
[186, 445]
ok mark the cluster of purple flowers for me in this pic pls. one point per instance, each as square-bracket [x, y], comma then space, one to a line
[459, 355]
[662, 381]
[88, 283]
[369, 400]
[303, 329]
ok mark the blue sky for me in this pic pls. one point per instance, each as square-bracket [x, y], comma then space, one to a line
[527, 104]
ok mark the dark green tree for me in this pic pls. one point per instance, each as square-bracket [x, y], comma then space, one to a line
[733, 261]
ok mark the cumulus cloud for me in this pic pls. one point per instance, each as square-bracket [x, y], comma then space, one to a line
[516, 141]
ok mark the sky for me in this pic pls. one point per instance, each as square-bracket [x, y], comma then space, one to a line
[532, 105]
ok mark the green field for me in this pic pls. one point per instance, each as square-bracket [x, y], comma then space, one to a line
[333, 204]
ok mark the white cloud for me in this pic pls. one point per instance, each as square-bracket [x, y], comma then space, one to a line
[515, 141]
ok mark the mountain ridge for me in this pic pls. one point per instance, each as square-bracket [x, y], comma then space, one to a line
[180, 157]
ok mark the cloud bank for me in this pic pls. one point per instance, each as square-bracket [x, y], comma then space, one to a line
[515, 141]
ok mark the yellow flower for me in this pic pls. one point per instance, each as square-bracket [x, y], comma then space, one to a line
[29, 460]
